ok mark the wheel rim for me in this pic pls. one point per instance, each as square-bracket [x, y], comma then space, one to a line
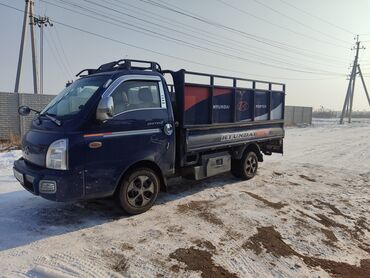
[140, 191]
[251, 165]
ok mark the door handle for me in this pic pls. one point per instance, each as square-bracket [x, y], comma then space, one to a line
[168, 129]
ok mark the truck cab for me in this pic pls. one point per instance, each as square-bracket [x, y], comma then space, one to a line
[113, 132]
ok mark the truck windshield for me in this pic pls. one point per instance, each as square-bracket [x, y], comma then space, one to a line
[74, 97]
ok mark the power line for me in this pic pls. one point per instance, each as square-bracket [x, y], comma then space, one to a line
[62, 61]
[262, 40]
[147, 31]
[161, 53]
[317, 17]
[223, 46]
[297, 21]
[68, 64]
[134, 27]
[180, 58]
[218, 37]
[206, 49]
[57, 62]
[276, 25]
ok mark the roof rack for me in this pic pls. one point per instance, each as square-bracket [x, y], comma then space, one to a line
[123, 64]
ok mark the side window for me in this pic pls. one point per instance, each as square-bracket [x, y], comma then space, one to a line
[136, 94]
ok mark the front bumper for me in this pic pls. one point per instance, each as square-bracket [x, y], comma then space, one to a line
[55, 185]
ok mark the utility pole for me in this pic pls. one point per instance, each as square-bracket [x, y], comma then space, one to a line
[28, 10]
[33, 49]
[24, 29]
[348, 102]
[41, 22]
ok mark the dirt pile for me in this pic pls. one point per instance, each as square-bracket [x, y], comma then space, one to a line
[271, 240]
[202, 210]
[200, 260]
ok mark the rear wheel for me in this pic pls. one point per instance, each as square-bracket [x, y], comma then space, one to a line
[246, 167]
[138, 191]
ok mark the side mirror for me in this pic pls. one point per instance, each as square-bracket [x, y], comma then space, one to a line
[105, 110]
[24, 110]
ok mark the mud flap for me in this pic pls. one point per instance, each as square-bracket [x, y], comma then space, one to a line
[274, 146]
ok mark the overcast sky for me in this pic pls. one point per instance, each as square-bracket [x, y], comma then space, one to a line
[308, 48]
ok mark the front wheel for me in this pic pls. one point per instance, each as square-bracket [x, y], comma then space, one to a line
[138, 191]
[246, 167]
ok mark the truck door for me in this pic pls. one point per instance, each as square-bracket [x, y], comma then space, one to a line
[141, 129]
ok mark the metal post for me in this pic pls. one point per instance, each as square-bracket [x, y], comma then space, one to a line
[354, 72]
[33, 49]
[363, 83]
[351, 99]
[41, 58]
[345, 105]
[24, 29]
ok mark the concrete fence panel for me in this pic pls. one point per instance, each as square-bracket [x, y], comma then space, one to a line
[37, 102]
[298, 115]
[307, 116]
[10, 122]
[9, 119]
[289, 115]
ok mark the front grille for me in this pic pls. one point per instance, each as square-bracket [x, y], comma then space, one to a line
[28, 183]
[34, 154]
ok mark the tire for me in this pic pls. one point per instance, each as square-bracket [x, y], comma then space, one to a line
[246, 167]
[138, 191]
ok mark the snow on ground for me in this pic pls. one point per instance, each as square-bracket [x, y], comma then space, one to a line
[306, 214]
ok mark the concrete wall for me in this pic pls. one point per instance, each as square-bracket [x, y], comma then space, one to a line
[10, 121]
[37, 102]
[298, 115]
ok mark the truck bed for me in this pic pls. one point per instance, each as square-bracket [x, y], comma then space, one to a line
[215, 112]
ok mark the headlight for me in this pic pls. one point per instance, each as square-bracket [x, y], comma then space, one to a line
[57, 155]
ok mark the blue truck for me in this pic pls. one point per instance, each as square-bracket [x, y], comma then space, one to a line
[125, 128]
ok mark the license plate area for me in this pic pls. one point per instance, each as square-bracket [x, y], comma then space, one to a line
[19, 176]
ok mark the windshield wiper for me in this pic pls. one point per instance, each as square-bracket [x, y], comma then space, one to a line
[51, 118]
[25, 111]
